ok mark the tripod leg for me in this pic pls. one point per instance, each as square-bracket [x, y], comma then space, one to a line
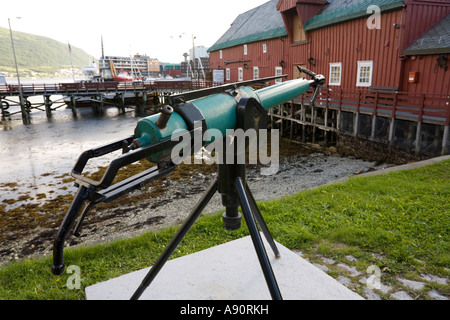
[257, 241]
[176, 240]
[262, 224]
[66, 226]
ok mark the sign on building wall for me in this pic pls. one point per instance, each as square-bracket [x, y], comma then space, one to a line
[219, 76]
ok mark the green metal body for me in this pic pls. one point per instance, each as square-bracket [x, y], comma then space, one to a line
[219, 110]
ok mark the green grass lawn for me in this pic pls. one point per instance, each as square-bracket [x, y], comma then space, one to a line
[402, 216]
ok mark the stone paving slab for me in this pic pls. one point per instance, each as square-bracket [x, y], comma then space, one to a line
[227, 272]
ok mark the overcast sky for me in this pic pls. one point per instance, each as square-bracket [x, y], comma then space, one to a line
[127, 26]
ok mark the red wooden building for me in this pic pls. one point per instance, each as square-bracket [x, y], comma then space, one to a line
[380, 47]
[339, 39]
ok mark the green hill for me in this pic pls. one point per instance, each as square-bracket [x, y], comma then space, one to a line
[37, 54]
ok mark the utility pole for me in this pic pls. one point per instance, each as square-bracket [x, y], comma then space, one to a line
[25, 116]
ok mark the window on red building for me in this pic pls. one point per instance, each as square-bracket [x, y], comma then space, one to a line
[298, 32]
[335, 74]
[240, 74]
[278, 72]
[255, 73]
[365, 71]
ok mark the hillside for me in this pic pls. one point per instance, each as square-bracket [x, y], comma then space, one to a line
[37, 54]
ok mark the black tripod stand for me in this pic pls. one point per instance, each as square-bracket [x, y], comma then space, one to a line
[235, 192]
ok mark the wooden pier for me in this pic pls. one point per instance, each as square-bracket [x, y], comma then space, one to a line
[94, 92]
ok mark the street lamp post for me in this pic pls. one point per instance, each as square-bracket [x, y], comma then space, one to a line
[25, 117]
[193, 53]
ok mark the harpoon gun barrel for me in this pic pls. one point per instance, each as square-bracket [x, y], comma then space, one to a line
[217, 111]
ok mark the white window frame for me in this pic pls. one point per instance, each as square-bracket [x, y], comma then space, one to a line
[364, 77]
[228, 74]
[278, 72]
[331, 78]
[221, 54]
[264, 47]
[240, 74]
[245, 49]
[255, 73]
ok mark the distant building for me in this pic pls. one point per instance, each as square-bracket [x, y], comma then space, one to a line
[154, 67]
[139, 65]
[199, 70]
[172, 69]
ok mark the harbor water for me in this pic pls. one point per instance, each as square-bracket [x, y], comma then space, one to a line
[35, 159]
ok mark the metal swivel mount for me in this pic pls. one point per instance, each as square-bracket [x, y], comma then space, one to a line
[231, 184]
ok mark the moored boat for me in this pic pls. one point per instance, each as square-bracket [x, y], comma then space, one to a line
[123, 76]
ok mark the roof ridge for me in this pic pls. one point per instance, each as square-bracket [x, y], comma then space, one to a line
[355, 10]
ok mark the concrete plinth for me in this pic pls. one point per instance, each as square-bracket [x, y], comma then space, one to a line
[227, 272]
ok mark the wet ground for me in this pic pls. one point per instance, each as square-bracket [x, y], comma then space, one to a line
[33, 155]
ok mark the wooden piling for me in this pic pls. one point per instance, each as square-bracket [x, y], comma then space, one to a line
[418, 141]
[24, 107]
[391, 130]
[144, 97]
[4, 106]
[445, 141]
[73, 105]
[48, 106]
[355, 123]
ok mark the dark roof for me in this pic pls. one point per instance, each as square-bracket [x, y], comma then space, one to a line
[260, 23]
[435, 40]
[338, 11]
[265, 22]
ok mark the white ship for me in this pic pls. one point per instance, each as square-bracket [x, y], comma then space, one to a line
[91, 72]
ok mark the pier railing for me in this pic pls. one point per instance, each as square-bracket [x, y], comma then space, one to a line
[66, 88]
[413, 106]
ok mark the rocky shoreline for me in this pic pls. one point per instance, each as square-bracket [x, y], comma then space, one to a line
[171, 207]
